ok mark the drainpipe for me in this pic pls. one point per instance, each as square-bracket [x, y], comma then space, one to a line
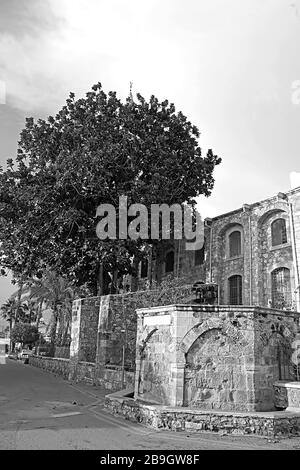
[150, 266]
[250, 263]
[178, 258]
[210, 254]
[208, 223]
[295, 258]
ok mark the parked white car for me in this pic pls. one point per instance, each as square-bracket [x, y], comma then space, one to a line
[24, 355]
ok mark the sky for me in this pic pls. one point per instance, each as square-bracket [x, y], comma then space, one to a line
[232, 67]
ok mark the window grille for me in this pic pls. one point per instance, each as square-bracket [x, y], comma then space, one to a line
[281, 289]
[235, 290]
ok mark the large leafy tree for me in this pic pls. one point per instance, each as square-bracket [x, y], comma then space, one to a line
[93, 151]
[24, 333]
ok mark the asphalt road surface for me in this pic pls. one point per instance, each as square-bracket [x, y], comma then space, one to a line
[39, 411]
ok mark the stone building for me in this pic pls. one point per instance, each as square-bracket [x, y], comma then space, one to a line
[252, 253]
[177, 353]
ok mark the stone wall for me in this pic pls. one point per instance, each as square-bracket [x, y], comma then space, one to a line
[118, 321]
[184, 263]
[193, 421]
[111, 379]
[103, 326]
[50, 364]
[85, 318]
[258, 258]
[222, 357]
[62, 352]
[108, 378]
[85, 372]
[287, 395]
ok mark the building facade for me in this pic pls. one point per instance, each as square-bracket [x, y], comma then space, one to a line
[252, 253]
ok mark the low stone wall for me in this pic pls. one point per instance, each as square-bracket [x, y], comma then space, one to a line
[51, 364]
[85, 372]
[287, 395]
[111, 379]
[108, 378]
[183, 419]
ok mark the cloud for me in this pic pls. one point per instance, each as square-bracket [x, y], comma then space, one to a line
[227, 65]
[23, 17]
[29, 31]
[80, 44]
[51, 47]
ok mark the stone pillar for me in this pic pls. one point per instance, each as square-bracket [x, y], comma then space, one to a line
[85, 314]
[177, 370]
[160, 364]
[137, 377]
[295, 222]
[104, 332]
[75, 341]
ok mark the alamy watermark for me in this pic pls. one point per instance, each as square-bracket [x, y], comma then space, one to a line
[2, 92]
[162, 222]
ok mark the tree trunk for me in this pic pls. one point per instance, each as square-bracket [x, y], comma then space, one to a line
[150, 264]
[54, 325]
[100, 280]
[115, 281]
[39, 314]
[10, 341]
[20, 290]
[134, 277]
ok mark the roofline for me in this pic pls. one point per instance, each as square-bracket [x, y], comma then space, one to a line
[236, 211]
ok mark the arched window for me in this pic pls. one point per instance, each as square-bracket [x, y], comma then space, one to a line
[144, 268]
[278, 229]
[170, 262]
[235, 290]
[235, 244]
[199, 256]
[281, 288]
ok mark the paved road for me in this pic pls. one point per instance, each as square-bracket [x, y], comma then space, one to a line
[41, 411]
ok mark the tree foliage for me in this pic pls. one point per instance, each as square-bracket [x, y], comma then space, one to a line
[13, 312]
[56, 293]
[24, 333]
[93, 151]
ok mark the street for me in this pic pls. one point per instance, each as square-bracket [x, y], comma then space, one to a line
[39, 411]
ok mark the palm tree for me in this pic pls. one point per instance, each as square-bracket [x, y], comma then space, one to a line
[8, 312]
[19, 296]
[31, 311]
[12, 311]
[54, 292]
